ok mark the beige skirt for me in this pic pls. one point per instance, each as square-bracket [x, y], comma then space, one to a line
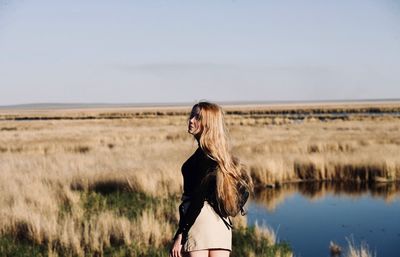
[208, 232]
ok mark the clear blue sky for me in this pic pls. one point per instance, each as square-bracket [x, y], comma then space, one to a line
[182, 51]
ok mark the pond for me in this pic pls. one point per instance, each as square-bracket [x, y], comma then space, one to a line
[309, 215]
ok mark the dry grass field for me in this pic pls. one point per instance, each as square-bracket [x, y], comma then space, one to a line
[86, 180]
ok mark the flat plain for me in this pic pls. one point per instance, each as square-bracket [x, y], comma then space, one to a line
[106, 181]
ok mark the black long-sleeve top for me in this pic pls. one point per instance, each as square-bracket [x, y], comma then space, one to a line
[194, 170]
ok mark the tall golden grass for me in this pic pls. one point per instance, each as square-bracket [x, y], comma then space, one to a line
[46, 165]
[338, 150]
[49, 159]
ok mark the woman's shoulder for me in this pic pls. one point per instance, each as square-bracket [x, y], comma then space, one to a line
[207, 157]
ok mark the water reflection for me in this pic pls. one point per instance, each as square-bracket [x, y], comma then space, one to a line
[271, 198]
[311, 215]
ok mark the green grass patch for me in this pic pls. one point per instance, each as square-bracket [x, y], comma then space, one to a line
[124, 251]
[10, 246]
[245, 241]
[127, 204]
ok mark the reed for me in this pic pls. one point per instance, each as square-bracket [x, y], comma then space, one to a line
[336, 151]
[358, 251]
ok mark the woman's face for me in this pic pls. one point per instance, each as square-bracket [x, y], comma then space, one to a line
[194, 126]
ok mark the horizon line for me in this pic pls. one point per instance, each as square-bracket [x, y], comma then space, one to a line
[73, 105]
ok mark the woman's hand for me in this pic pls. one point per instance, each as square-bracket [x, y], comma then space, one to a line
[176, 247]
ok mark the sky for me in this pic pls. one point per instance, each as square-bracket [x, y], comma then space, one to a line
[167, 51]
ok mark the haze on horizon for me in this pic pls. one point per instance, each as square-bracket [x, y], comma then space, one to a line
[182, 51]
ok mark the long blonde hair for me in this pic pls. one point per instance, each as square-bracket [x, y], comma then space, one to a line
[214, 141]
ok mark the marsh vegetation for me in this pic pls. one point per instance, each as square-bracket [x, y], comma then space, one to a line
[107, 181]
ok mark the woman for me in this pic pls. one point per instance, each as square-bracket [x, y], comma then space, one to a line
[210, 178]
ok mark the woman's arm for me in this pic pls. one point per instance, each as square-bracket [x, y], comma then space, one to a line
[189, 216]
[175, 250]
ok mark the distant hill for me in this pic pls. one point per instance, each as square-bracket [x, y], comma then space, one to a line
[46, 106]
